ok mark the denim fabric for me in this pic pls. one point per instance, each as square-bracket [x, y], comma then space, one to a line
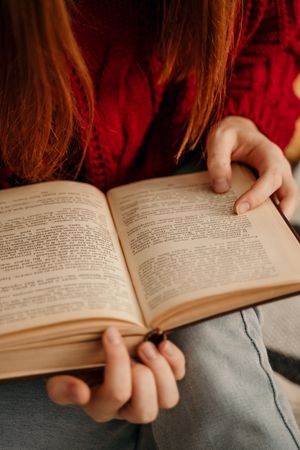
[229, 400]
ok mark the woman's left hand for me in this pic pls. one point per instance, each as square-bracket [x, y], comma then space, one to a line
[132, 391]
[237, 139]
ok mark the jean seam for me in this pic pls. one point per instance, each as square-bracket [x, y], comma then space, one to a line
[260, 359]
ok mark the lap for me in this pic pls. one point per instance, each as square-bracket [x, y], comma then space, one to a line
[228, 400]
[29, 421]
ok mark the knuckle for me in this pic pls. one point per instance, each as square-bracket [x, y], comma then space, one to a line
[96, 415]
[217, 165]
[147, 415]
[222, 131]
[170, 402]
[119, 396]
[277, 150]
[141, 371]
[275, 174]
[218, 131]
[238, 121]
[225, 132]
[98, 418]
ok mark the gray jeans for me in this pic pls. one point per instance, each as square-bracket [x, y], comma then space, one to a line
[229, 401]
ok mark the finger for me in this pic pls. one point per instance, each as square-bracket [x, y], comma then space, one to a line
[175, 358]
[219, 148]
[115, 391]
[167, 391]
[288, 197]
[143, 407]
[66, 390]
[268, 183]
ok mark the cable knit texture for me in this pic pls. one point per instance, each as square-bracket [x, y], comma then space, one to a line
[261, 87]
[139, 123]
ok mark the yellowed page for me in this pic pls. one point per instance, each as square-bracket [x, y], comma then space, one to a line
[36, 361]
[60, 258]
[182, 241]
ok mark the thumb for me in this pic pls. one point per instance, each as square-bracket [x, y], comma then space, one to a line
[66, 390]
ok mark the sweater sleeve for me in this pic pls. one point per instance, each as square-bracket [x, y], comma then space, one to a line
[267, 63]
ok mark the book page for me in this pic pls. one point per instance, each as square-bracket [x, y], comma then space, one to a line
[60, 257]
[183, 242]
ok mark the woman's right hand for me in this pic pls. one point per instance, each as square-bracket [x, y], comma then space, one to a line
[130, 391]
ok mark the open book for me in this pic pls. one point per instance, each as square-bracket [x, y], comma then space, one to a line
[159, 253]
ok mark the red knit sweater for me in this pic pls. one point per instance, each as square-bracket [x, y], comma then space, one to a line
[139, 123]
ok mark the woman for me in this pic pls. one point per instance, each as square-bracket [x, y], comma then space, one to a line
[109, 92]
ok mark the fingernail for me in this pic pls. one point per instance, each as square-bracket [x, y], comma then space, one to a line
[167, 348]
[242, 208]
[220, 185]
[149, 351]
[113, 336]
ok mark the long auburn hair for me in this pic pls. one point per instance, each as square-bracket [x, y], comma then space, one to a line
[38, 113]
